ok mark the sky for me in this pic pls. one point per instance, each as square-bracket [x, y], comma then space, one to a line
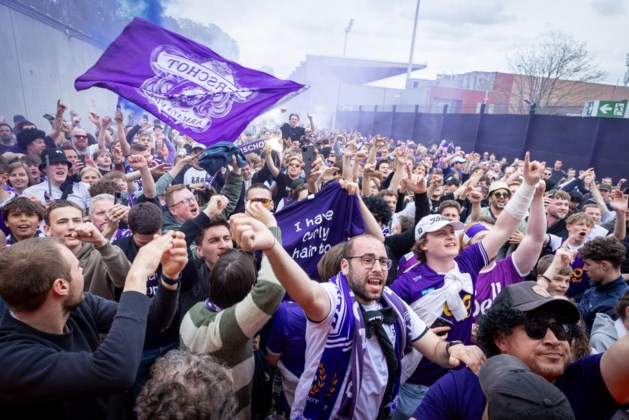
[453, 36]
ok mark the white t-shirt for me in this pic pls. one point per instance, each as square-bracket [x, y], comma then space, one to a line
[80, 193]
[375, 372]
[194, 176]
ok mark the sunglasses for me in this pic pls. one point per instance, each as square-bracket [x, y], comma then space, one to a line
[266, 202]
[502, 195]
[78, 136]
[536, 329]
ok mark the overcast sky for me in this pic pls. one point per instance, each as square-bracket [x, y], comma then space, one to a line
[453, 36]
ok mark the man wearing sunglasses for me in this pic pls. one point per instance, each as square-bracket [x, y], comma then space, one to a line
[525, 321]
[444, 284]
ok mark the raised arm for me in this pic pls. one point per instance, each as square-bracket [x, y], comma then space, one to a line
[400, 168]
[515, 210]
[56, 134]
[139, 164]
[312, 124]
[526, 255]
[102, 133]
[371, 225]
[251, 234]
[268, 159]
[121, 135]
[619, 204]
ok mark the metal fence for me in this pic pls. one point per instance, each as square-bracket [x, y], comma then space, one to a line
[602, 143]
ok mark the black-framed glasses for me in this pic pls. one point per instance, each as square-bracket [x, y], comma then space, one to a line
[536, 329]
[185, 201]
[368, 261]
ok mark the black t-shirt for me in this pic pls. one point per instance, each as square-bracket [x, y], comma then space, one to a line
[294, 133]
[284, 185]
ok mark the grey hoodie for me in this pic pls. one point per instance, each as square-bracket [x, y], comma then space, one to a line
[605, 332]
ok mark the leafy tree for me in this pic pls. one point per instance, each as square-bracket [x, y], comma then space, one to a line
[548, 75]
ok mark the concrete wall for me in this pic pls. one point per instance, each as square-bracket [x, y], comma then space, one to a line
[39, 65]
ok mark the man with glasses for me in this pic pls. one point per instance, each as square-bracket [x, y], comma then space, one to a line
[525, 321]
[80, 143]
[357, 331]
[182, 205]
[260, 193]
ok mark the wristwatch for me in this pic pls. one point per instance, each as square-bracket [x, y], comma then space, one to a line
[450, 344]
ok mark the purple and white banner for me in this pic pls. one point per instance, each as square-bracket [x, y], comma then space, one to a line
[312, 226]
[183, 83]
[253, 146]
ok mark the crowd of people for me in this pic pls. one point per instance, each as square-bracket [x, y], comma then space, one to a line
[143, 275]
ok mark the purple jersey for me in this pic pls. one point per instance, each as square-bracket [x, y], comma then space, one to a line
[458, 394]
[288, 336]
[579, 279]
[420, 281]
[490, 283]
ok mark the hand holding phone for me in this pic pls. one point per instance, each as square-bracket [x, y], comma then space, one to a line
[441, 322]
[122, 198]
[309, 156]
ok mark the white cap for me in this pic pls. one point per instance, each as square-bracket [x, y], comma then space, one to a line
[433, 223]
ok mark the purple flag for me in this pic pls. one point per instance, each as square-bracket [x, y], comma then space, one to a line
[312, 226]
[183, 83]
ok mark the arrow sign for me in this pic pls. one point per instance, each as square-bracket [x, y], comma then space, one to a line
[605, 109]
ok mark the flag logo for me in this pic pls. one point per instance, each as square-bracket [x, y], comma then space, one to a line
[189, 90]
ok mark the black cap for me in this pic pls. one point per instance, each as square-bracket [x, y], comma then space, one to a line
[529, 295]
[54, 155]
[515, 393]
[452, 180]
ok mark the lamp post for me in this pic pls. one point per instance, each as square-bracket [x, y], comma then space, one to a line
[347, 31]
[409, 69]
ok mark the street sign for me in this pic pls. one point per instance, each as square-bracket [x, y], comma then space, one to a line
[607, 109]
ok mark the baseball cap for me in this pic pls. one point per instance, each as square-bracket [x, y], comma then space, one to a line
[433, 223]
[197, 146]
[54, 155]
[528, 296]
[605, 187]
[458, 159]
[498, 185]
[514, 392]
[452, 180]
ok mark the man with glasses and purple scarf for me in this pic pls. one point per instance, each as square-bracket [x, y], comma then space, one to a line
[525, 321]
[358, 331]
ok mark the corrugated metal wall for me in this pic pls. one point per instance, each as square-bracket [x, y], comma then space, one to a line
[39, 65]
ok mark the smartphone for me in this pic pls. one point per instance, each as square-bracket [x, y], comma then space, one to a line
[49, 117]
[122, 198]
[82, 159]
[308, 153]
[118, 108]
[441, 322]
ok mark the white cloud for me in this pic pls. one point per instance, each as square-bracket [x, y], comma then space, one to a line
[453, 36]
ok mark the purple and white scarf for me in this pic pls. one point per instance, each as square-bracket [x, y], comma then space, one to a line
[344, 349]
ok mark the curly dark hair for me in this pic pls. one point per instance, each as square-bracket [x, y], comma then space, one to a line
[26, 137]
[501, 319]
[187, 386]
[379, 208]
[604, 249]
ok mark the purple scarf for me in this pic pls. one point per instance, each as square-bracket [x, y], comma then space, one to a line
[344, 348]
